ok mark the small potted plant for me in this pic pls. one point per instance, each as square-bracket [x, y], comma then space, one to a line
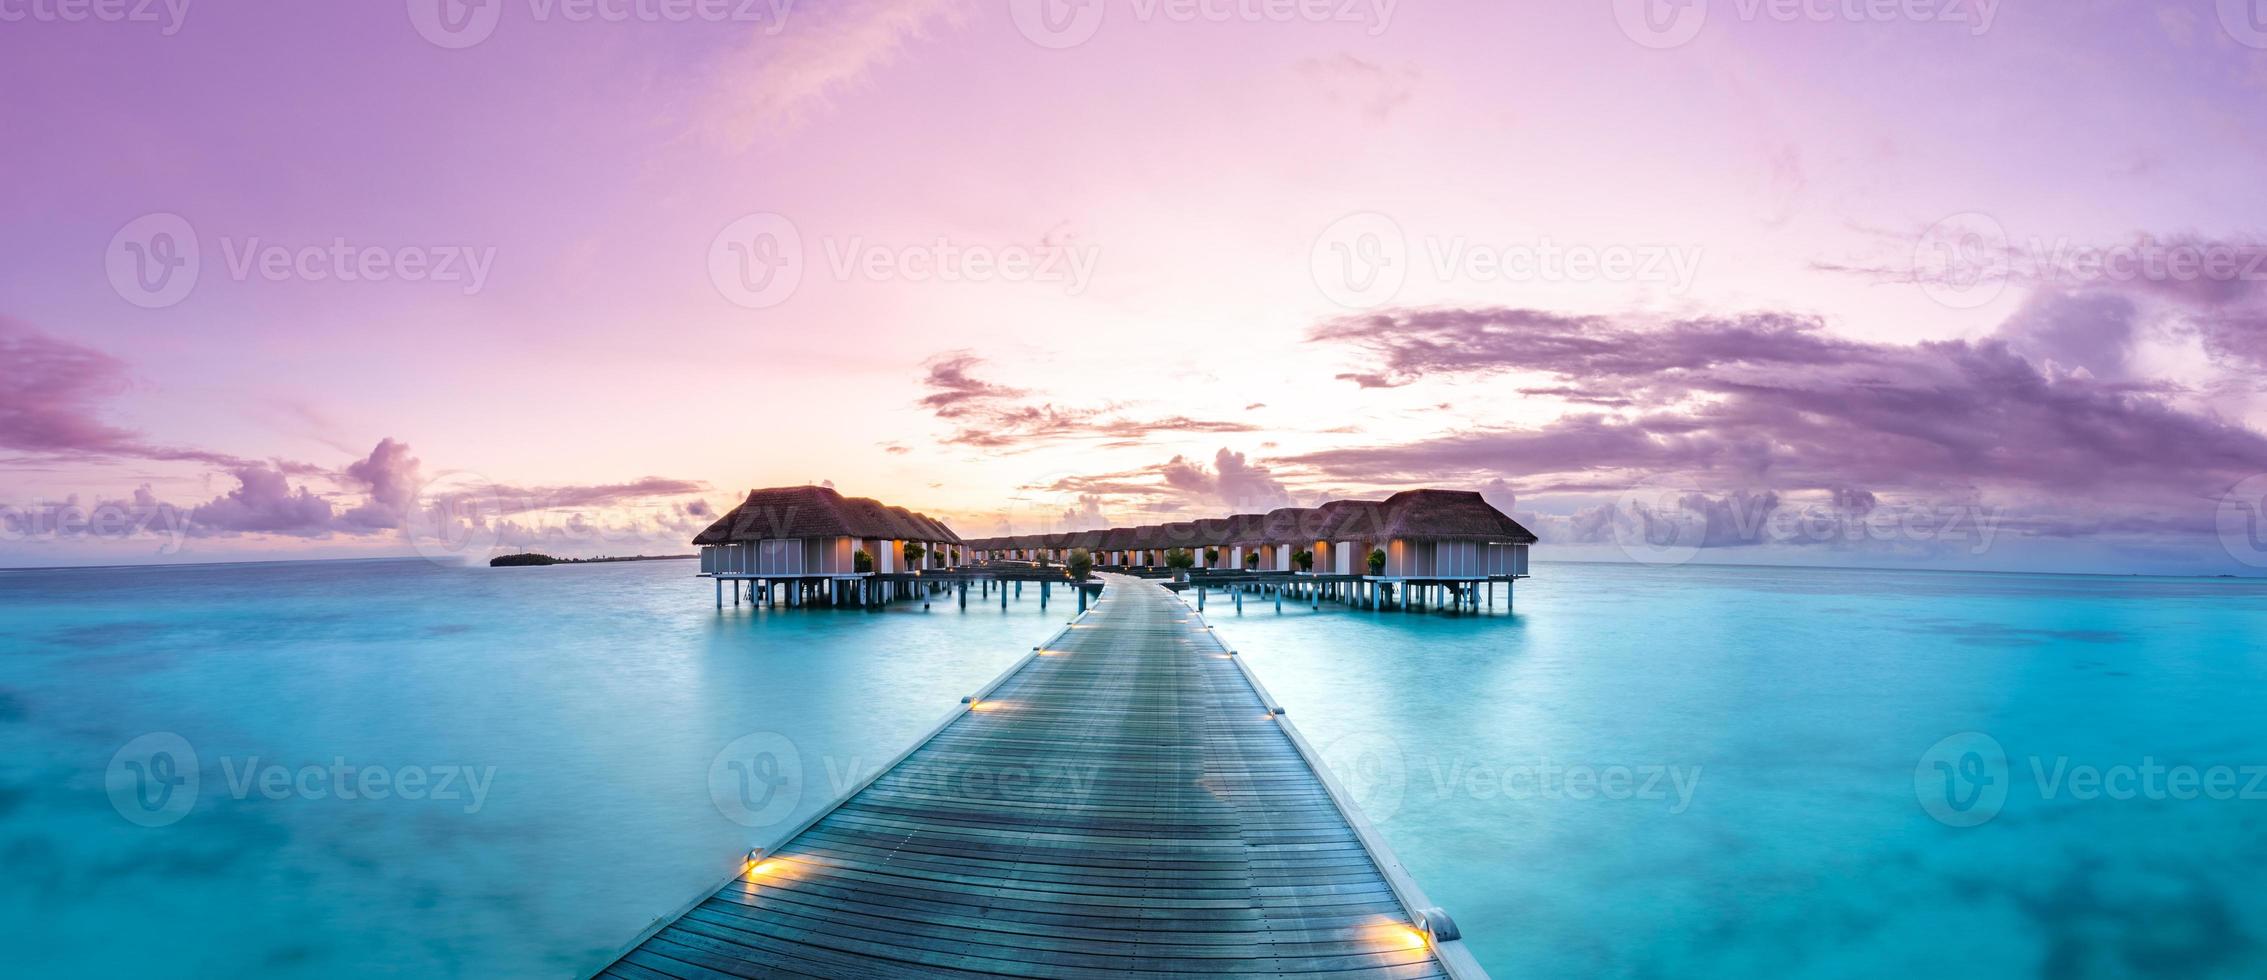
[1377, 561]
[1305, 560]
[1251, 559]
[861, 562]
[1081, 564]
[1212, 558]
[1180, 561]
[914, 553]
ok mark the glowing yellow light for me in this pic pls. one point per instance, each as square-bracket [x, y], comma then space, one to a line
[986, 706]
[1396, 935]
[761, 868]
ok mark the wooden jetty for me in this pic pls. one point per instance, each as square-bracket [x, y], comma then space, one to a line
[1125, 801]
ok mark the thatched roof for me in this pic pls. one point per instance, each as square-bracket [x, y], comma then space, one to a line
[1434, 515]
[818, 512]
[1449, 515]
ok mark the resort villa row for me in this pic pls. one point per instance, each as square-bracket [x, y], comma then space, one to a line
[814, 532]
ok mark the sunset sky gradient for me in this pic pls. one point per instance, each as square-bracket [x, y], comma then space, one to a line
[1859, 283]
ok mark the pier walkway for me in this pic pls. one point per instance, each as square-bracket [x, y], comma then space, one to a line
[1125, 801]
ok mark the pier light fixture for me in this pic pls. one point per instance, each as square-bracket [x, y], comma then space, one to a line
[1277, 710]
[1439, 928]
[757, 865]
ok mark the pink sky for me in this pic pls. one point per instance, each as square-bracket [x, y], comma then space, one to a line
[1208, 257]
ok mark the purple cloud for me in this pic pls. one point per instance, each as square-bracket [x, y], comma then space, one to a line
[263, 503]
[51, 396]
[995, 416]
[1769, 404]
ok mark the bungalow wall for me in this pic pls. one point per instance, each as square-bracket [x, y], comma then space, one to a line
[778, 556]
[1506, 559]
[1406, 558]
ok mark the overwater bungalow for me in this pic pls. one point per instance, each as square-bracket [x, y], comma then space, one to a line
[813, 537]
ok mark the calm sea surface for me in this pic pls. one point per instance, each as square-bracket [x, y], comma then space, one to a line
[1641, 772]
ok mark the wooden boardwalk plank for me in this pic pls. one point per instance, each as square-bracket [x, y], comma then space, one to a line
[1122, 805]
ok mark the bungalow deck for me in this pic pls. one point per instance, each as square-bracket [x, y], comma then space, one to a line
[1125, 801]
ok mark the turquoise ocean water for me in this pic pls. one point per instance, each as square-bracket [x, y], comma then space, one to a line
[1642, 772]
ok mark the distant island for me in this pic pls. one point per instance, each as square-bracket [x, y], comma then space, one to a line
[531, 558]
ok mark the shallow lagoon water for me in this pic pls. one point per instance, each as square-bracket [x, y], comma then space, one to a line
[1800, 703]
[1794, 705]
